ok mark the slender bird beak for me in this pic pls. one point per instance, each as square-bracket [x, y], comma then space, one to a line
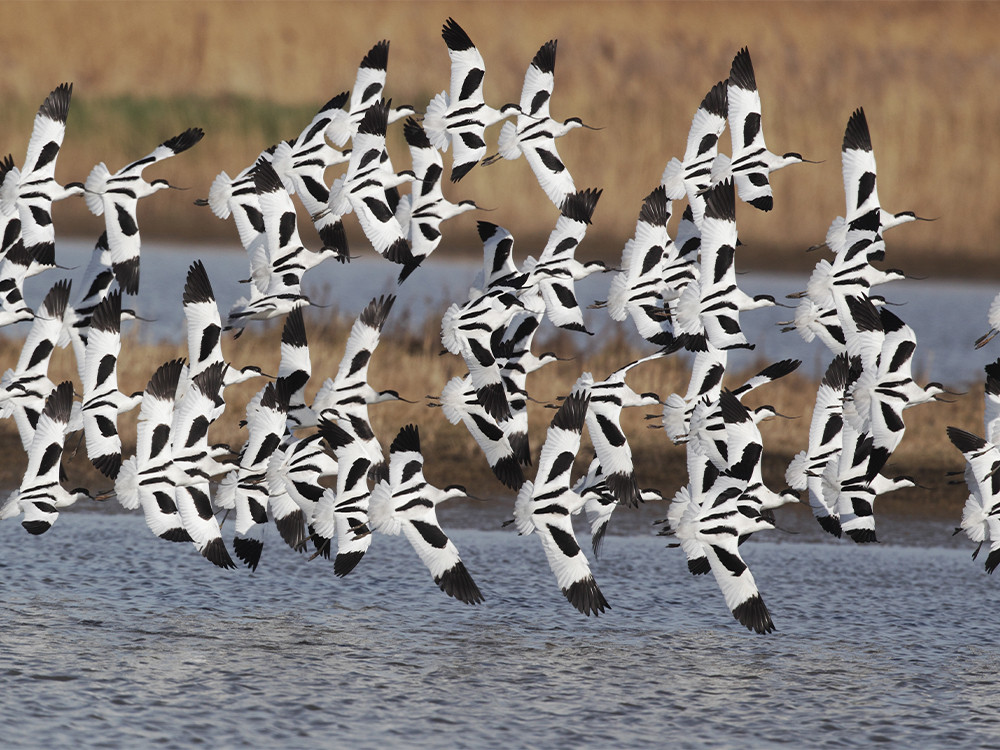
[810, 161]
[589, 127]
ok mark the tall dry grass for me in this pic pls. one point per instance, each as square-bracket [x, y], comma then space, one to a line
[251, 73]
[411, 364]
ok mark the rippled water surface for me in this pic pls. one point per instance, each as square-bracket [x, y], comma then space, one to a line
[112, 637]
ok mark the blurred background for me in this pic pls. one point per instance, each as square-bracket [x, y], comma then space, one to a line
[253, 73]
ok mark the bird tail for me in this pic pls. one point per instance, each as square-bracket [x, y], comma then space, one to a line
[522, 509]
[127, 484]
[434, 124]
[95, 186]
[218, 195]
[673, 180]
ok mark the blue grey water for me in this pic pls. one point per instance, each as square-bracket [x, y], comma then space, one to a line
[947, 316]
[112, 638]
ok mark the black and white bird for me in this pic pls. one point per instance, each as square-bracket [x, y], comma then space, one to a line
[980, 519]
[640, 290]
[41, 494]
[471, 330]
[32, 189]
[24, 388]
[459, 117]
[348, 393]
[534, 133]
[302, 163]
[204, 330]
[422, 212]
[342, 515]
[116, 196]
[194, 463]
[691, 176]
[279, 261]
[709, 308]
[460, 402]
[751, 162]
[244, 488]
[545, 507]
[406, 503]
[145, 478]
[102, 401]
[606, 400]
[554, 274]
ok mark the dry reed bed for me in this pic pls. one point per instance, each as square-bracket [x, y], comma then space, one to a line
[412, 365]
[252, 73]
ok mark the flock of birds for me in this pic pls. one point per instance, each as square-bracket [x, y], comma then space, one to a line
[680, 293]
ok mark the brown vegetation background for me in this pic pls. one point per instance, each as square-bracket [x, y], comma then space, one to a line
[251, 73]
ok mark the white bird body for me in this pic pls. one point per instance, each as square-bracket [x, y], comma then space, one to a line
[31, 190]
[460, 116]
[406, 502]
[41, 495]
[546, 508]
[102, 401]
[692, 175]
[348, 507]
[640, 289]
[116, 196]
[751, 162]
[459, 403]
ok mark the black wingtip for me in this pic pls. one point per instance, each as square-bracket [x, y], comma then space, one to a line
[127, 275]
[294, 331]
[56, 104]
[217, 554]
[493, 398]
[741, 72]
[545, 58]
[109, 464]
[720, 201]
[346, 562]
[699, 566]
[375, 313]
[457, 582]
[185, 140]
[656, 208]
[857, 136]
[377, 57]
[163, 384]
[415, 134]
[36, 527]
[580, 206]
[407, 439]
[248, 551]
[509, 472]
[292, 529]
[197, 287]
[863, 536]
[753, 615]
[716, 101]
[375, 120]
[587, 597]
[455, 37]
[625, 488]
[108, 314]
[830, 524]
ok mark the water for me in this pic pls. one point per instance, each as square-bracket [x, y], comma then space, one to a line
[947, 315]
[114, 638]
